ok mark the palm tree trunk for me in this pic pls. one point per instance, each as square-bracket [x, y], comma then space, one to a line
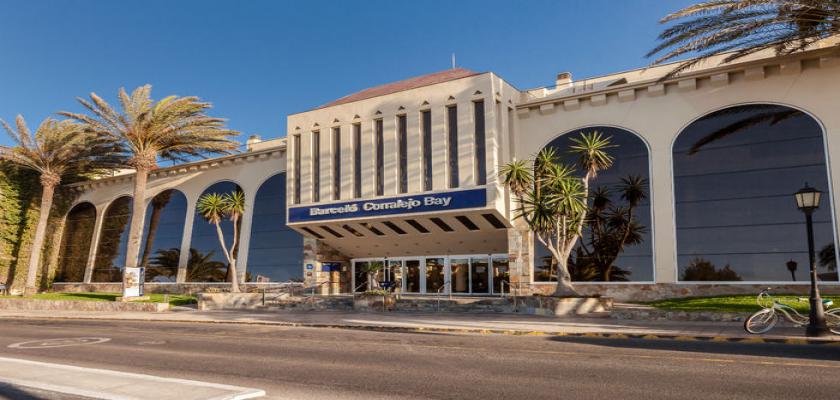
[234, 282]
[153, 227]
[135, 230]
[564, 279]
[47, 191]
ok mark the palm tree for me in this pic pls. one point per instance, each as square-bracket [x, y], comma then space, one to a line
[744, 27]
[57, 150]
[216, 207]
[158, 203]
[174, 128]
[554, 202]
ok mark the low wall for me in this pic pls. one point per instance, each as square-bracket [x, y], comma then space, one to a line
[80, 305]
[229, 301]
[659, 291]
[171, 288]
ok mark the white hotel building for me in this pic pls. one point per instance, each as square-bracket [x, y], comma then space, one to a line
[404, 178]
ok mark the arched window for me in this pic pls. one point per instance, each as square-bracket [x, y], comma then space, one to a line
[75, 243]
[113, 240]
[164, 228]
[207, 261]
[616, 243]
[275, 253]
[735, 173]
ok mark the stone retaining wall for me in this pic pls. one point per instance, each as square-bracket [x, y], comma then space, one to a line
[659, 291]
[79, 305]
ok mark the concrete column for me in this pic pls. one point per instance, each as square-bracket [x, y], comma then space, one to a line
[440, 168]
[306, 167]
[662, 204]
[368, 159]
[414, 144]
[186, 239]
[347, 161]
[94, 243]
[245, 233]
[390, 153]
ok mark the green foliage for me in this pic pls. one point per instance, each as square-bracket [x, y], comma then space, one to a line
[19, 201]
[173, 299]
[734, 303]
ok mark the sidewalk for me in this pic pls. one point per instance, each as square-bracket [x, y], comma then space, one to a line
[107, 384]
[511, 324]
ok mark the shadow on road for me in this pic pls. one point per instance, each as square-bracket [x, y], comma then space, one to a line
[814, 352]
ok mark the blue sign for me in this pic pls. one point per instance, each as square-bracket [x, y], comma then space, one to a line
[310, 266]
[448, 201]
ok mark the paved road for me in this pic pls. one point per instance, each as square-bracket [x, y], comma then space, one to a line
[308, 363]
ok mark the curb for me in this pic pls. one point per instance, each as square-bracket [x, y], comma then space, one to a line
[510, 332]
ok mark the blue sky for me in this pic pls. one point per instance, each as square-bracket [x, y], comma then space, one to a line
[258, 61]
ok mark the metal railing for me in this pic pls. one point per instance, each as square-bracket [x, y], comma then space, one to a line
[279, 290]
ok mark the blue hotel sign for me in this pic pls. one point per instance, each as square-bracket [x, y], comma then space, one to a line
[448, 201]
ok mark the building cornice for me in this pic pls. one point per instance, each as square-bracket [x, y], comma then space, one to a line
[183, 169]
[717, 76]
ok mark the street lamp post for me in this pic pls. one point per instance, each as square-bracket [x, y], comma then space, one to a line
[808, 200]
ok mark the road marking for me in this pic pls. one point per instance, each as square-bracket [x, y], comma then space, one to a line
[45, 372]
[61, 342]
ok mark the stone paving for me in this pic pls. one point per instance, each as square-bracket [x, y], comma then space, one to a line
[451, 323]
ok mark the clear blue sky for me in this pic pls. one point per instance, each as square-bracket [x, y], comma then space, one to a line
[258, 61]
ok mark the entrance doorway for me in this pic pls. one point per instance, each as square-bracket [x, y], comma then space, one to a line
[486, 274]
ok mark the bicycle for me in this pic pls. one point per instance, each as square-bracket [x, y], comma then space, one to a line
[765, 319]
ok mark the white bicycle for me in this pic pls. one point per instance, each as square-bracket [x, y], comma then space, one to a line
[765, 319]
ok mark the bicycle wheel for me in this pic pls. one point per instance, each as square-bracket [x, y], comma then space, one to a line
[762, 321]
[832, 319]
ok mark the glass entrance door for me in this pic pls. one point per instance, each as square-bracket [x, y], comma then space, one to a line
[412, 275]
[480, 275]
[435, 275]
[501, 273]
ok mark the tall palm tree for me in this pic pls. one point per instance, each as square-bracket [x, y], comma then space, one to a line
[744, 27]
[57, 150]
[174, 128]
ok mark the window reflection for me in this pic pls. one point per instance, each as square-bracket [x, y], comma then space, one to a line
[113, 241]
[75, 243]
[621, 250]
[207, 261]
[163, 231]
[275, 253]
[735, 172]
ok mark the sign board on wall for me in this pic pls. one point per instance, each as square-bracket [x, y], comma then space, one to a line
[447, 201]
[133, 280]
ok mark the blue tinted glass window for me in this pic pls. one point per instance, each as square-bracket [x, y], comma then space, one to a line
[735, 172]
[163, 230]
[113, 241]
[207, 261]
[75, 243]
[275, 253]
[609, 255]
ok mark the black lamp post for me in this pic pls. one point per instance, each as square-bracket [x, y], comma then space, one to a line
[808, 200]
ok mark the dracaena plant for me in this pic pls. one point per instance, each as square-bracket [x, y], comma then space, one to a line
[215, 208]
[56, 150]
[553, 198]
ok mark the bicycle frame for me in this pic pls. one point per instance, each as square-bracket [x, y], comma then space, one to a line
[786, 310]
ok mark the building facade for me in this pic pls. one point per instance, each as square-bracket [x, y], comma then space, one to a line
[398, 185]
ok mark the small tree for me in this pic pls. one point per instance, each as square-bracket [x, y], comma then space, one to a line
[216, 207]
[57, 150]
[553, 201]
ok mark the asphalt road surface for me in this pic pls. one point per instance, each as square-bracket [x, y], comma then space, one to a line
[307, 363]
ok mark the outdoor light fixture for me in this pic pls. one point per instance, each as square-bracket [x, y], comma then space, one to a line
[808, 200]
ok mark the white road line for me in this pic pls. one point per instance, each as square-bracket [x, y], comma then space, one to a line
[46, 371]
